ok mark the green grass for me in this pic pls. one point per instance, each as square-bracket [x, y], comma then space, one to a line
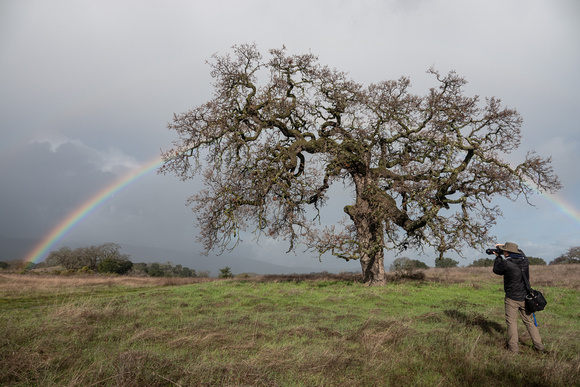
[329, 332]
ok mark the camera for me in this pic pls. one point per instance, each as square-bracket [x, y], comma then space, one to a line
[493, 251]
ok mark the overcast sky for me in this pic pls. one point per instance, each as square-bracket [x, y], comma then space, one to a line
[87, 88]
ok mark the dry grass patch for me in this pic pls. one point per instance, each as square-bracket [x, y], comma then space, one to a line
[32, 283]
[565, 276]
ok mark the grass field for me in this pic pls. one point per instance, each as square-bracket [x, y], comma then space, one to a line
[330, 330]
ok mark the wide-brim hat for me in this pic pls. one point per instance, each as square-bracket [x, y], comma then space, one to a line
[510, 247]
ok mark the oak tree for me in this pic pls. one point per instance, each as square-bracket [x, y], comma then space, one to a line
[90, 257]
[279, 132]
[571, 256]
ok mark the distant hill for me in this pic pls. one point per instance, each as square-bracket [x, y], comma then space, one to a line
[198, 262]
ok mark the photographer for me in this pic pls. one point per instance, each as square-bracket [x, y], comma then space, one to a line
[509, 262]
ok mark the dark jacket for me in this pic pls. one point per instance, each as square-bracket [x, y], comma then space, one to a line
[511, 269]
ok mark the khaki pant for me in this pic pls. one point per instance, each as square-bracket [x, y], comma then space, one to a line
[512, 309]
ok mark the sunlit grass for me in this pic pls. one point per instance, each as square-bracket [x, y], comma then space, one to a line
[447, 330]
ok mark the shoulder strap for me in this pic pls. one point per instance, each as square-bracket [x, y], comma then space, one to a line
[526, 281]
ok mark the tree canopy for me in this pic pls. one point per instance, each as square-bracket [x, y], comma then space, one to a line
[536, 261]
[482, 262]
[278, 133]
[570, 256]
[446, 262]
[105, 258]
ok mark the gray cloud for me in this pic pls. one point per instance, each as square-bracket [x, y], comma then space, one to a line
[42, 184]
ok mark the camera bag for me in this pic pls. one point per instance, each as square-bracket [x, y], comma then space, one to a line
[535, 300]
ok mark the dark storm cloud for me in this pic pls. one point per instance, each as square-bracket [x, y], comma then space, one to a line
[40, 185]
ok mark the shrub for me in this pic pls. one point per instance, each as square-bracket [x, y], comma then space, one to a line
[226, 272]
[180, 271]
[85, 270]
[536, 261]
[154, 270]
[115, 265]
[408, 268]
[446, 262]
[419, 264]
[482, 262]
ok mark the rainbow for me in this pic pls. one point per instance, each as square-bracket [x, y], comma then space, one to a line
[93, 202]
[562, 206]
[81, 212]
[559, 203]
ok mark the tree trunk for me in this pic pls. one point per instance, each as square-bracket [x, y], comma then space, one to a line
[372, 256]
[369, 235]
[373, 268]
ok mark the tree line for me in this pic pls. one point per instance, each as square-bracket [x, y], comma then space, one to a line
[156, 269]
[403, 263]
[107, 259]
[405, 267]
